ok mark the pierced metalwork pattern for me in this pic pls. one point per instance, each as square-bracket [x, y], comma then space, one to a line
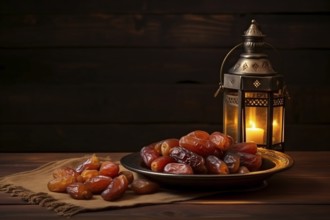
[256, 83]
[232, 100]
[278, 101]
[256, 102]
[263, 102]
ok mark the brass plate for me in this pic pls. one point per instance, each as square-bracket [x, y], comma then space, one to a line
[272, 162]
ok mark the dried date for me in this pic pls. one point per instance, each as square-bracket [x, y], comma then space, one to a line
[159, 163]
[178, 168]
[109, 168]
[216, 166]
[116, 189]
[87, 174]
[233, 161]
[129, 175]
[92, 163]
[185, 156]
[198, 142]
[246, 147]
[222, 141]
[64, 172]
[143, 186]
[98, 183]
[167, 145]
[79, 191]
[157, 146]
[59, 184]
[199, 134]
[243, 170]
[251, 161]
[148, 154]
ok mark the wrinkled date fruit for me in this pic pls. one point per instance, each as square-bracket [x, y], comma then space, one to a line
[178, 168]
[199, 134]
[167, 145]
[59, 184]
[157, 146]
[92, 163]
[87, 174]
[79, 191]
[251, 161]
[109, 168]
[116, 189]
[183, 155]
[159, 163]
[243, 170]
[216, 166]
[143, 186]
[198, 142]
[233, 161]
[148, 154]
[129, 175]
[222, 141]
[246, 147]
[98, 183]
[64, 172]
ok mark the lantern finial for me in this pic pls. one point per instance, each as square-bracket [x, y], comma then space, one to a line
[253, 30]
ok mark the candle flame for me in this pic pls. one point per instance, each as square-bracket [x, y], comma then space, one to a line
[275, 124]
[252, 124]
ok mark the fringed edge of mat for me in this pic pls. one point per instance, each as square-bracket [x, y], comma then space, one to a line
[42, 199]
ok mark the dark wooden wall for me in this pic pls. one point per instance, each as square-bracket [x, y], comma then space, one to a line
[109, 75]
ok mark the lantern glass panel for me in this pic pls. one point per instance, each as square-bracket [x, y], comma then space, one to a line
[256, 123]
[256, 117]
[278, 136]
[231, 114]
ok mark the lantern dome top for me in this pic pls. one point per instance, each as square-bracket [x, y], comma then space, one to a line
[252, 71]
[253, 30]
[253, 61]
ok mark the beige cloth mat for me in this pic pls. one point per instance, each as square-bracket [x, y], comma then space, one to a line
[32, 187]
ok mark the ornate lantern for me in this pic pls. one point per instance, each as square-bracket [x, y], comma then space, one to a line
[253, 95]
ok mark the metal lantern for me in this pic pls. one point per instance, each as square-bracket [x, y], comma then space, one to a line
[253, 95]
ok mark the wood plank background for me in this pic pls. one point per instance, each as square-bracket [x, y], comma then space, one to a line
[109, 75]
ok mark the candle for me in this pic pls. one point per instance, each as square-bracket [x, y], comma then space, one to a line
[255, 134]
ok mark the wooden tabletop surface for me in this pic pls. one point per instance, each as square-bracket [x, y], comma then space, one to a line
[301, 192]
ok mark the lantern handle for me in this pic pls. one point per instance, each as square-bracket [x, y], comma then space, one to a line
[221, 69]
[285, 87]
[277, 53]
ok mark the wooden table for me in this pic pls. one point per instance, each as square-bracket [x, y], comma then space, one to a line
[303, 192]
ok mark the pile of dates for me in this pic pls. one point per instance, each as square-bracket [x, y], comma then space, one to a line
[201, 153]
[96, 177]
